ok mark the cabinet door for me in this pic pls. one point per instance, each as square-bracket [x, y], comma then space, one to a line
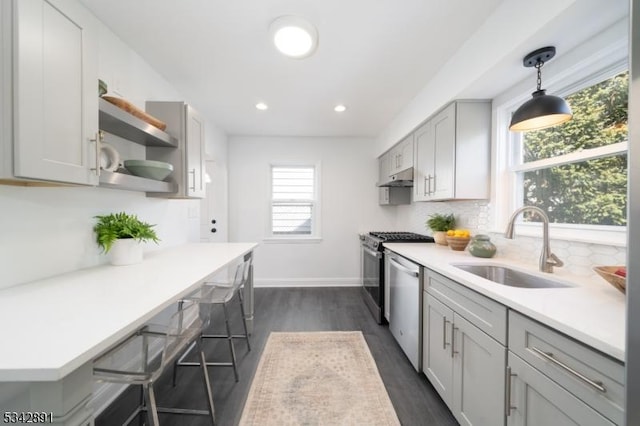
[405, 153]
[437, 355]
[195, 154]
[55, 89]
[423, 156]
[444, 142]
[537, 400]
[383, 168]
[478, 376]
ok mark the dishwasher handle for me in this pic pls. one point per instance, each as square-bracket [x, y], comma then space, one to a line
[404, 269]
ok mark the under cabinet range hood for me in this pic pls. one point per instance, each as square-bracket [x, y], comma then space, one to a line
[403, 178]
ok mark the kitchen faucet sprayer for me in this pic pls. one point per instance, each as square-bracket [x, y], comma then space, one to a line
[547, 259]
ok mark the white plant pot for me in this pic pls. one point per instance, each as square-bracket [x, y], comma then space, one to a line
[126, 251]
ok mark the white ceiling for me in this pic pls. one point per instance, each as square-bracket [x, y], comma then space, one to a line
[374, 56]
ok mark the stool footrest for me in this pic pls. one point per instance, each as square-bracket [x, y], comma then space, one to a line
[223, 336]
[211, 364]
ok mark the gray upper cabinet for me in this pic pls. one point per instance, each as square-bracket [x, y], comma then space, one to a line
[187, 126]
[452, 153]
[401, 156]
[49, 92]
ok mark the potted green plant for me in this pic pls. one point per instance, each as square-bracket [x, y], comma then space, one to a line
[440, 224]
[121, 234]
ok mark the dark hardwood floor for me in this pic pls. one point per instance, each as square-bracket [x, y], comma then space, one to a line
[292, 309]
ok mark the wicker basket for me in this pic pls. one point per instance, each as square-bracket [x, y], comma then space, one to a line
[607, 272]
[458, 243]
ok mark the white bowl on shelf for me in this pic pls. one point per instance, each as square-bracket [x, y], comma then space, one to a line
[156, 170]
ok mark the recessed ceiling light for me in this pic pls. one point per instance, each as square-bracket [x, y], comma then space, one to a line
[294, 37]
[262, 106]
[340, 108]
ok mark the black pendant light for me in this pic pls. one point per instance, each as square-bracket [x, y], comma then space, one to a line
[542, 110]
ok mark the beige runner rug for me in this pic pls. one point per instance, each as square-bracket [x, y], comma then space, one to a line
[317, 378]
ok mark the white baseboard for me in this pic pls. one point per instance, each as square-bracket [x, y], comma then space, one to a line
[307, 282]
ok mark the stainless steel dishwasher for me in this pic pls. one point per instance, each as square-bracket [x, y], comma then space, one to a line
[405, 318]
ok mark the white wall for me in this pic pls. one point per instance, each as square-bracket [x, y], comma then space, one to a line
[348, 201]
[47, 231]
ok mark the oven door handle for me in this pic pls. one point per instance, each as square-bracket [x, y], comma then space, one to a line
[402, 268]
[375, 254]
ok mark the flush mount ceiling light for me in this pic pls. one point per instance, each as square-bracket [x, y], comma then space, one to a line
[340, 108]
[262, 106]
[294, 37]
[542, 110]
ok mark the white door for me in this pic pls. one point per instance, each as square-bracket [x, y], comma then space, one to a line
[437, 355]
[423, 155]
[213, 208]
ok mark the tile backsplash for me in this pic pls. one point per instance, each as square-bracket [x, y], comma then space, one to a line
[579, 258]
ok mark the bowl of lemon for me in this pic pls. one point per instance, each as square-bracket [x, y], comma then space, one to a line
[457, 239]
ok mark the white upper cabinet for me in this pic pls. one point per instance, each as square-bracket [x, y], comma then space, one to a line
[401, 156]
[186, 125]
[452, 153]
[50, 94]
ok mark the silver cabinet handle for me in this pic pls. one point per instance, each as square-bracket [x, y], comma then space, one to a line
[507, 394]
[434, 184]
[193, 172]
[402, 268]
[424, 191]
[98, 142]
[444, 333]
[596, 384]
[375, 254]
[453, 337]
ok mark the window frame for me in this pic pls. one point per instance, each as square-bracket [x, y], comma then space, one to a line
[316, 221]
[508, 171]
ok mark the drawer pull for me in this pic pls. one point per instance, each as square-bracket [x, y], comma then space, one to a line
[596, 384]
[453, 337]
[508, 406]
[444, 333]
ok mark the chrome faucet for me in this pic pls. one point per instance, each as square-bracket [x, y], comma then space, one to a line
[547, 259]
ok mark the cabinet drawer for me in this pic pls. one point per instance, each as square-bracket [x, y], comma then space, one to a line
[593, 377]
[486, 314]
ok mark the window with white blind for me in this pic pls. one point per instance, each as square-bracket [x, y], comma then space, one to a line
[294, 202]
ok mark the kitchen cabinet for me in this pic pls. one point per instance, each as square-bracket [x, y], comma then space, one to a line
[452, 153]
[187, 126]
[401, 156]
[49, 92]
[465, 365]
[390, 196]
[558, 379]
[535, 399]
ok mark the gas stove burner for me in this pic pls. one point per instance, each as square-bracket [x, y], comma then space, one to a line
[401, 236]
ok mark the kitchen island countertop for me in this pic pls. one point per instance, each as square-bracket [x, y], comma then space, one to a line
[590, 311]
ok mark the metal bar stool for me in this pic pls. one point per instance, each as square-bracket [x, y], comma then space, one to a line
[220, 294]
[134, 361]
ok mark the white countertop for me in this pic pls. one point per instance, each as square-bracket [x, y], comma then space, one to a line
[51, 327]
[592, 312]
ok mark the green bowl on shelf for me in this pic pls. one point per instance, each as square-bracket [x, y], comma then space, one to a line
[156, 170]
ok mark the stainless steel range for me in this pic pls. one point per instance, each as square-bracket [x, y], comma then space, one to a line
[373, 266]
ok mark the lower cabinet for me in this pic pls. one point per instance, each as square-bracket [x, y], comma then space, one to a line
[536, 400]
[464, 364]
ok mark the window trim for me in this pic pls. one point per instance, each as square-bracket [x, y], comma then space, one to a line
[316, 235]
[505, 173]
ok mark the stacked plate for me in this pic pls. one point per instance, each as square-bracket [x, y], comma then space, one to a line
[156, 170]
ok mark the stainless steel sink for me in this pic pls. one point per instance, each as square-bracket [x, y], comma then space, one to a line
[510, 277]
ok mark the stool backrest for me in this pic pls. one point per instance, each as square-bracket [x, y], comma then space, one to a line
[184, 327]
